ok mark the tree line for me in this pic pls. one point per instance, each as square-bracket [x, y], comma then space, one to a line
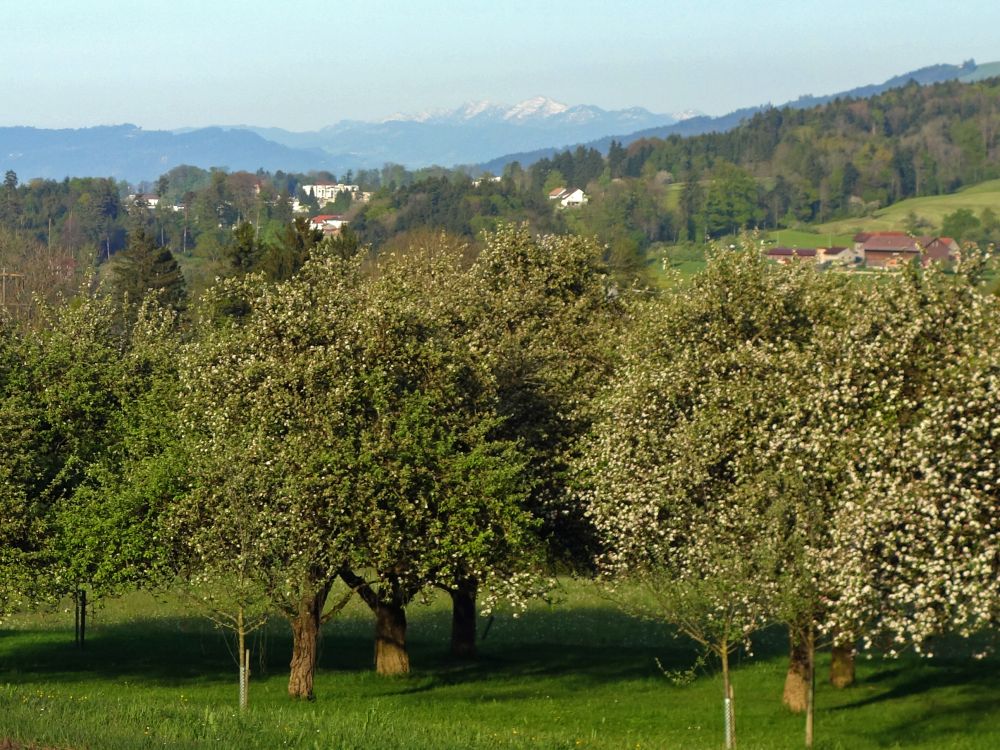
[780, 168]
[396, 424]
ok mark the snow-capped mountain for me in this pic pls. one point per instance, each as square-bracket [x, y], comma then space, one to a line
[536, 110]
[539, 106]
[471, 133]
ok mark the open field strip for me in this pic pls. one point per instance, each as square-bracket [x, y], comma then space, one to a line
[576, 673]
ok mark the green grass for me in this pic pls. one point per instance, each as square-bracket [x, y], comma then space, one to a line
[576, 674]
[809, 239]
[931, 209]
[667, 267]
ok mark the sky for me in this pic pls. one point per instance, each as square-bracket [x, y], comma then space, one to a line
[191, 63]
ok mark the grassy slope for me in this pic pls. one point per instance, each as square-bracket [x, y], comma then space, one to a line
[982, 72]
[930, 208]
[577, 674]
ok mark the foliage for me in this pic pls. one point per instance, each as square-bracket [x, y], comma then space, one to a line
[544, 319]
[106, 530]
[769, 454]
[911, 394]
[960, 224]
[143, 268]
[674, 462]
[68, 390]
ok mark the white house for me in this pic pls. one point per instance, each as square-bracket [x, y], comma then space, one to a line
[328, 191]
[568, 197]
[149, 200]
[327, 223]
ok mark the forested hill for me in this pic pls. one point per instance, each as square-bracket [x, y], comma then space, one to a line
[966, 72]
[911, 141]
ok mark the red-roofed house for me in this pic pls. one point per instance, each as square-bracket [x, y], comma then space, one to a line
[894, 249]
[568, 196]
[327, 223]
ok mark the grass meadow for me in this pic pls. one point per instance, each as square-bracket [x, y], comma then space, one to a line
[573, 674]
[932, 209]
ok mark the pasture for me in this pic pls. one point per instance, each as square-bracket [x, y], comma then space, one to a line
[576, 673]
[932, 209]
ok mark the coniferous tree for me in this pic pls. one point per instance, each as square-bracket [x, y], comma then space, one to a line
[144, 267]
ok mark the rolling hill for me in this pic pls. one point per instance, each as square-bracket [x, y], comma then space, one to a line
[932, 209]
[967, 72]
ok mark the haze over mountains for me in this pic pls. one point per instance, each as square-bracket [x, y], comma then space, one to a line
[480, 133]
[472, 133]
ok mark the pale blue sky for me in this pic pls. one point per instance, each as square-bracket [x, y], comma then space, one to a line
[174, 63]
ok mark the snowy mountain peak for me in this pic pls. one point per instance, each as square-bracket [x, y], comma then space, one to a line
[688, 114]
[469, 110]
[538, 111]
[538, 106]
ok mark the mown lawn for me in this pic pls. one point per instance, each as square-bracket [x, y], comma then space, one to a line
[575, 674]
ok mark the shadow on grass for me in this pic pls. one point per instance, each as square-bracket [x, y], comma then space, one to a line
[591, 644]
[921, 701]
[922, 678]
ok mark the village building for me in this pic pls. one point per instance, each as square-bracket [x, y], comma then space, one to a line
[328, 224]
[486, 178]
[888, 250]
[839, 256]
[148, 200]
[569, 197]
[325, 192]
[785, 255]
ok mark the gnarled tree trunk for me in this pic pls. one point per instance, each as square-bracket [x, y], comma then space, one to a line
[390, 639]
[796, 694]
[305, 644]
[463, 619]
[391, 656]
[842, 666]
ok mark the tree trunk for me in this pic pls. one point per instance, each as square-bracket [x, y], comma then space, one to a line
[241, 645]
[390, 640]
[305, 645]
[463, 619]
[729, 715]
[390, 622]
[842, 666]
[796, 692]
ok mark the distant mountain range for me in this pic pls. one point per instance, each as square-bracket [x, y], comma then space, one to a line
[968, 72]
[473, 134]
[130, 153]
[469, 134]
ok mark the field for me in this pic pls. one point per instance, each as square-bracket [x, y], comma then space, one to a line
[931, 209]
[802, 238]
[573, 674]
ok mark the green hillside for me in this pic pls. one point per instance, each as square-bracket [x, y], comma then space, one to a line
[932, 209]
[986, 70]
[809, 238]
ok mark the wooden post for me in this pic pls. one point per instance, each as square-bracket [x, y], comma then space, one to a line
[811, 694]
[727, 703]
